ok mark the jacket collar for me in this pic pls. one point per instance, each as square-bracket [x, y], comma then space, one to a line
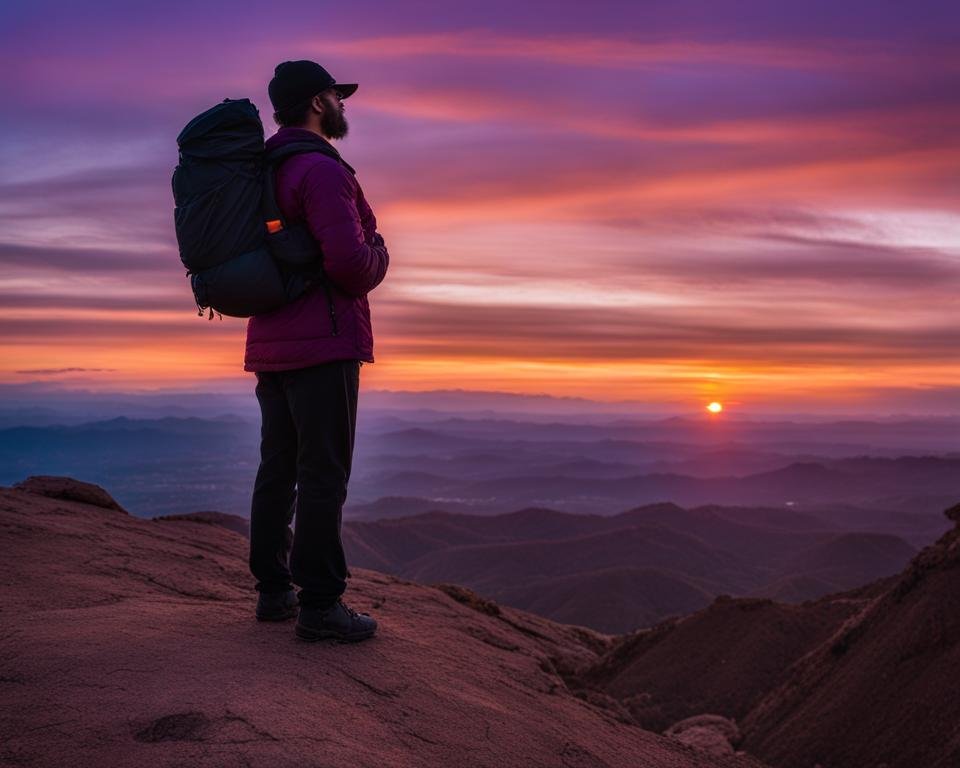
[291, 141]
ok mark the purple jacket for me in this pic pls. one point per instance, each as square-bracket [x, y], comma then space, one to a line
[315, 188]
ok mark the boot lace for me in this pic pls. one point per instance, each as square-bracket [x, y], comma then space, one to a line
[348, 609]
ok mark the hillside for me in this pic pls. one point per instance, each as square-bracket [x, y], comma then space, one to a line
[721, 659]
[860, 678]
[622, 572]
[883, 688]
[132, 642]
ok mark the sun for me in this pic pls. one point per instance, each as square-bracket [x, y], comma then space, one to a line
[715, 407]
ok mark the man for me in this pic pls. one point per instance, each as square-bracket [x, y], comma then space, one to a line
[307, 357]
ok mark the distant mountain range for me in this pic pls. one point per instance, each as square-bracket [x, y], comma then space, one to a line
[496, 465]
[158, 466]
[45, 401]
[928, 482]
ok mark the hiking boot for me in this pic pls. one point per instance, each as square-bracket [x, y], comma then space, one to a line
[277, 606]
[338, 622]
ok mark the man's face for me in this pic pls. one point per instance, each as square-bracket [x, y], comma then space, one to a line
[332, 122]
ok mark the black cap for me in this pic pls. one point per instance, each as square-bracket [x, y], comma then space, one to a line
[294, 82]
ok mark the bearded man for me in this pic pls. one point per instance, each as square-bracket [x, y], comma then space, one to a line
[307, 357]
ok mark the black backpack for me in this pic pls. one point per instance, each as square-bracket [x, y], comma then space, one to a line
[241, 256]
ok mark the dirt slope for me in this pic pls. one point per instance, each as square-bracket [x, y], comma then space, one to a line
[882, 690]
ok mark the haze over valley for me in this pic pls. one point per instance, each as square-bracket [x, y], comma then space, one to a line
[547, 508]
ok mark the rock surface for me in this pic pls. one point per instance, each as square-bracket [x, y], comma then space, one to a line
[131, 642]
[714, 733]
[231, 522]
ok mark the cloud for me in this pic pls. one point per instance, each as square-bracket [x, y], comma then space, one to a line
[792, 264]
[606, 196]
[618, 52]
[86, 260]
[761, 335]
[58, 371]
[103, 300]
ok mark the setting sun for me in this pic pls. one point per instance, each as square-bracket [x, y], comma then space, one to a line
[715, 407]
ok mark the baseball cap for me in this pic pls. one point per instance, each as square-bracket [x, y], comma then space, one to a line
[296, 81]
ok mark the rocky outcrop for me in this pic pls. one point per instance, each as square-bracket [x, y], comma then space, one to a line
[70, 490]
[713, 733]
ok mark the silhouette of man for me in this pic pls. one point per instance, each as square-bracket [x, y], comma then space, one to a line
[307, 357]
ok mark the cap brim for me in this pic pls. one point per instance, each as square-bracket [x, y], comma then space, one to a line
[346, 89]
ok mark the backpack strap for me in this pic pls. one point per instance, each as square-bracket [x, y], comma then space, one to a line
[274, 158]
[275, 220]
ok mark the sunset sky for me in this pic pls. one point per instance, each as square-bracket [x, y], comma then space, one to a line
[664, 202]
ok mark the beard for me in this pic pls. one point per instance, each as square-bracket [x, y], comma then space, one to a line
[333, 123]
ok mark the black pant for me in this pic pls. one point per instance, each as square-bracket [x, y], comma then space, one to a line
[306, 448]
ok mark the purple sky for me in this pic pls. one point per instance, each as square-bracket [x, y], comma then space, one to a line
[672, 202]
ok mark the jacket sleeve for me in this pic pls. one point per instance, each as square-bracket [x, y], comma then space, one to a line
[367, 220]
[352, 264]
